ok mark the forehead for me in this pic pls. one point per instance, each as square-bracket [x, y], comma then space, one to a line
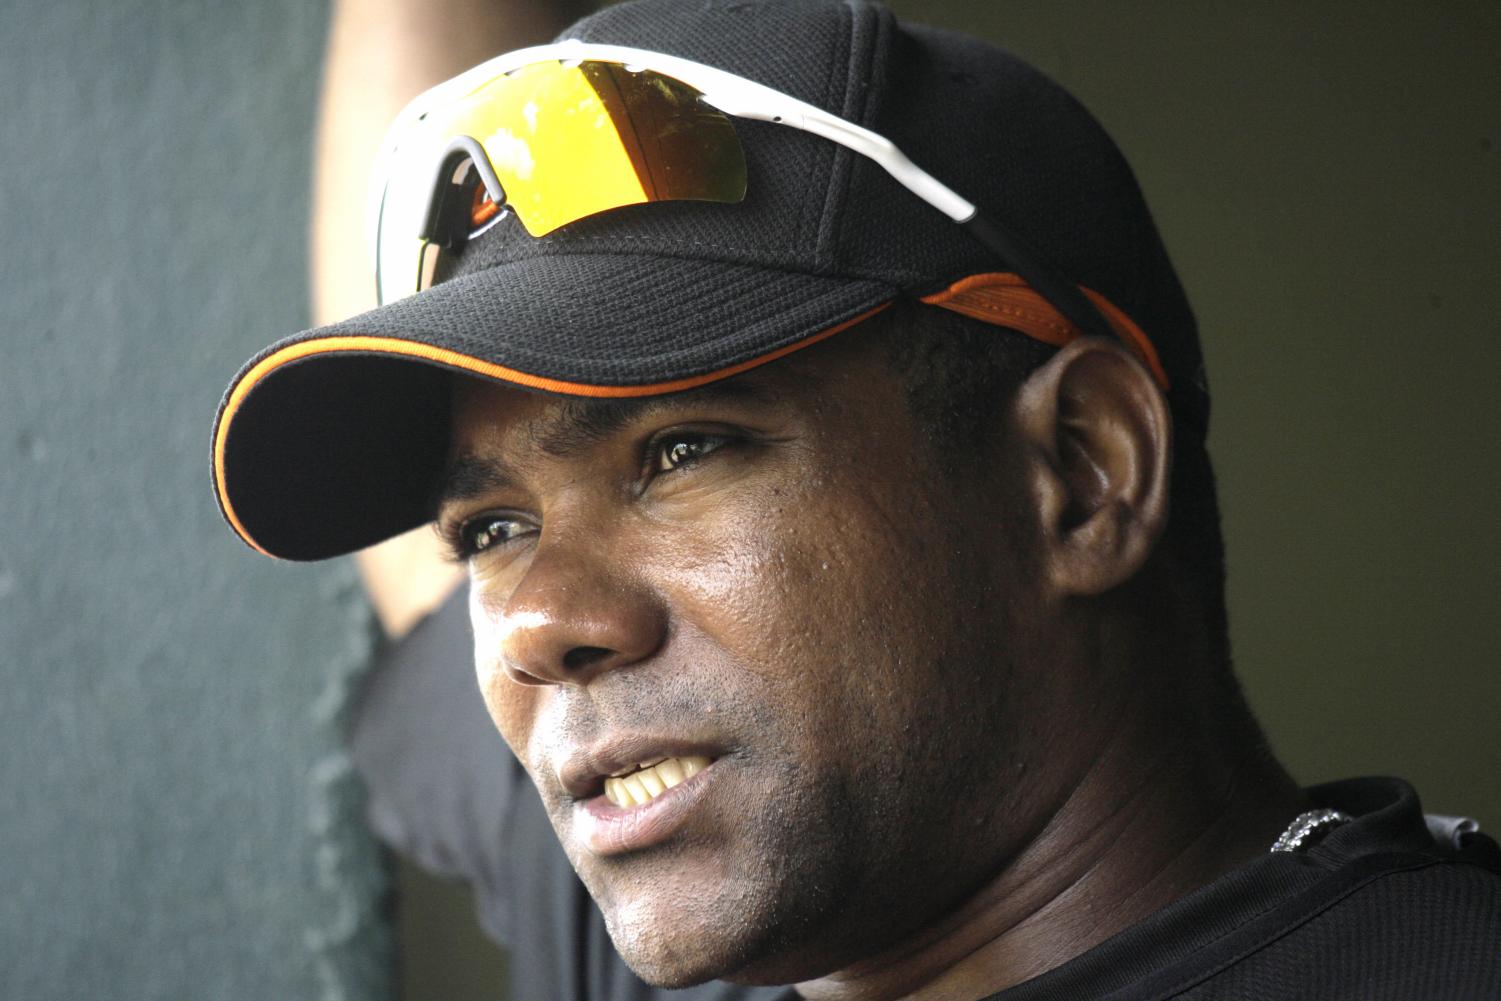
[832, 381]
[562, 426]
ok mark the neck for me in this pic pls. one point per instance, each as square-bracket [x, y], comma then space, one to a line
[1150, 820]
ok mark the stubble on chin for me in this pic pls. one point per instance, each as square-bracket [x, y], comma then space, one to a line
[743, 900]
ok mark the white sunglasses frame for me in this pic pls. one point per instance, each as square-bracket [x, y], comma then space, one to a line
[737, 97]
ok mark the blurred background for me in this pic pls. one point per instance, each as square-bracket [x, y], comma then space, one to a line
[179, 819]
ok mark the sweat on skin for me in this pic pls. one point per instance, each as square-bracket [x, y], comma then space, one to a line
[884, 668]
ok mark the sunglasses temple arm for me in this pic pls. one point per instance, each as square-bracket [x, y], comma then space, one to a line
[1025, 260]
[1063, 294]
[475, 153]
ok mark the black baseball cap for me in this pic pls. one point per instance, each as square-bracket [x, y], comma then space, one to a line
[334, 439]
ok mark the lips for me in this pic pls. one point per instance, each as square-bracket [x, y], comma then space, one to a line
[584, 772]
[630, 794]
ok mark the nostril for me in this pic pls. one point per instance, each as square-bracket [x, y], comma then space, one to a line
[581, 657]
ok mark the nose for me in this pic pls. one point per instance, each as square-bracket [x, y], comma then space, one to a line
[571, 618]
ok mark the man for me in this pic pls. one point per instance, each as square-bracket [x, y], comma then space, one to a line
[844, 557]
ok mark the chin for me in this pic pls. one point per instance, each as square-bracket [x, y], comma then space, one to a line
[681, 958]
[670, 941]
[675, 930]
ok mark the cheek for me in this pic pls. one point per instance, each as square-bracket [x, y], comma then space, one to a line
[813, 586]
[513, 707]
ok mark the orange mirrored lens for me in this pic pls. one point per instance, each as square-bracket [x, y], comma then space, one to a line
[567, 142]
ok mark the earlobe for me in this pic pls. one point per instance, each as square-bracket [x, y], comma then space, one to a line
[1102, 437]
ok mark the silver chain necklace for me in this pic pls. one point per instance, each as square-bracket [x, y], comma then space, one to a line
[1305, 826]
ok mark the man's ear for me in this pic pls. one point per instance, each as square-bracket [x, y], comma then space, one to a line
[1101, 435]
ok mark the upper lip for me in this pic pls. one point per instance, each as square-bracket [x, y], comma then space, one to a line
[584, 769]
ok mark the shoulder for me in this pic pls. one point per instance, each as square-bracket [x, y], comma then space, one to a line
[1404, 931]
[1394, 913]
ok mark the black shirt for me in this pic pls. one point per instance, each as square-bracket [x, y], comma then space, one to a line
[1376, 910]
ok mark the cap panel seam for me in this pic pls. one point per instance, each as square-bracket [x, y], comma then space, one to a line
[849, 104]
[817, 198]
[860, 107]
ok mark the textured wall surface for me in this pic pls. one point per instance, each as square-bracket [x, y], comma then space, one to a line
[177, 819]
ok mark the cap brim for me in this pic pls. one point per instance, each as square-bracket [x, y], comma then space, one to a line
[334, 439]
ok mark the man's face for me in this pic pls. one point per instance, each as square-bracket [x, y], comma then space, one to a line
[778, 575]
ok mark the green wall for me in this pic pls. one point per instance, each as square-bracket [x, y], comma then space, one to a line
[176, 817]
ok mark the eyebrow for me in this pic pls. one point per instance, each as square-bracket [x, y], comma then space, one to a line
[469, 477]
[576, 427]
[582, 424]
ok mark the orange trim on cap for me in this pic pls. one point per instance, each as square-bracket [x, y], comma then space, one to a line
[442, 356]
[1004, 299]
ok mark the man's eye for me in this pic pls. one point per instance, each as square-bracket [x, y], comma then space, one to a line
[683, 449]
[483, 533]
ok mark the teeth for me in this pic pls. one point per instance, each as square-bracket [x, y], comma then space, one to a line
[670, 772]
[654, 785]
[640, 785]
[636, 788]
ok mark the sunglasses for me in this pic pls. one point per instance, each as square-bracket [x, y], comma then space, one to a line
[557, 133]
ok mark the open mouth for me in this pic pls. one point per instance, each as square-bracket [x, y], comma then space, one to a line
[639, 784]
[620, 807]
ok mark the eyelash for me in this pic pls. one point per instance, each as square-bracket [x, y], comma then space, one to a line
[655, 450]
[464, 539]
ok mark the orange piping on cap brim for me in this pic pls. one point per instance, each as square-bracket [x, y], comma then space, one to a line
[1005, 299]
[362, 344]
